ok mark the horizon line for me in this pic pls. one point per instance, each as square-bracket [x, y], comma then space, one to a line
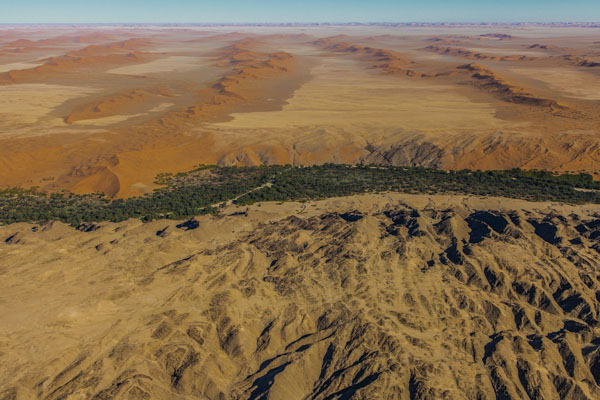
[310, 23]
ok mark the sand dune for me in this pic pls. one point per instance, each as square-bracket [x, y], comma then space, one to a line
[388, 61]
[30, 103]
[491, 81]
[571, 83]
[371, 296]
[17, 66]
[104, 181]
[65, 64]
[249, 95]
[129, 44]
[238, 85]
[344, 95]
[167, 64]
[465, 53]
[60, 40]
[124, 102]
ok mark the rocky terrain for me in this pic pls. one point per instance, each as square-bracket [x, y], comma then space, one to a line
[364, 297]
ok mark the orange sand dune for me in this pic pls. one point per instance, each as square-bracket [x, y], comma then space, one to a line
[465, 53]
[238, 87]
[67, 63]
[104, 181]
[123, 102]
[59, 40]
[388, 61]
[250, 97]
[25, 43]
[26, 50]
[287, 36]
[490, 81]
[129, 44]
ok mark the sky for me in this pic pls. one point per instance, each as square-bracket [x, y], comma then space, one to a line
[287, 11]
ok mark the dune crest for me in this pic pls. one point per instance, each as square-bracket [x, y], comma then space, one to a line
[124, 102]
[465, 53]
[491, 81]
[164, 99]
[388, 61]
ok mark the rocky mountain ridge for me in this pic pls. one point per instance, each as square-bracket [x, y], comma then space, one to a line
[371, 296]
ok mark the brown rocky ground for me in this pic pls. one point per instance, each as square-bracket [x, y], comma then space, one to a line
[373, 296]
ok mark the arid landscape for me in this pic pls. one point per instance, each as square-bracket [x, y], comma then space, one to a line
[329, 212]
[107, 108]
[367, 297]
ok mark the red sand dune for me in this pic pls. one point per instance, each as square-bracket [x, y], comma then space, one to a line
[67, 63]
[129, 44]
[492, 82]
[388, 61]
[122, 102]
[249, 73]
[465, 53]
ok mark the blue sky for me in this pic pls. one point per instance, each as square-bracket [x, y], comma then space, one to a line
[256, 11]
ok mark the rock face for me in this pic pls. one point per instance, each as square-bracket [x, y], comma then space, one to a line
[368, 298]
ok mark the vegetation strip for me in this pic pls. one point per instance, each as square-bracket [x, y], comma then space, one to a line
[202, 190]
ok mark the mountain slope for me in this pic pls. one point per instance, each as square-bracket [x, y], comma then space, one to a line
[373, 296]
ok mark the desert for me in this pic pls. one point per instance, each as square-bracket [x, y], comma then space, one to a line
[326, 211]
[370, 296]
[78, 104]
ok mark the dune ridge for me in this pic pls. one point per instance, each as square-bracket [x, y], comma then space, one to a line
[241, 85]
[465, 53]
[523, 113]
[67, 63]
[489, 80]
[388, 61]
[122, 102]
[92, 57]
[237, 86]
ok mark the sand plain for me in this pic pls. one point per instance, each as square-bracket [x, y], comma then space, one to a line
[342, 94]
[572, 83]
[77, 101]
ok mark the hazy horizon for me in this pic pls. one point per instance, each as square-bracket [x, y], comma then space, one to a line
[306, 12]
[306, 23]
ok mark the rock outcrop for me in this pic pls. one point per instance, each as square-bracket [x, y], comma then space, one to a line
[409, 297]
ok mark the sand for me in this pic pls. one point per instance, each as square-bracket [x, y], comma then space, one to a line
[167, 64]
[568, 82]
[372, 296]
[343, 94]
[18, 65]
[28, 104]
[251, 95]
